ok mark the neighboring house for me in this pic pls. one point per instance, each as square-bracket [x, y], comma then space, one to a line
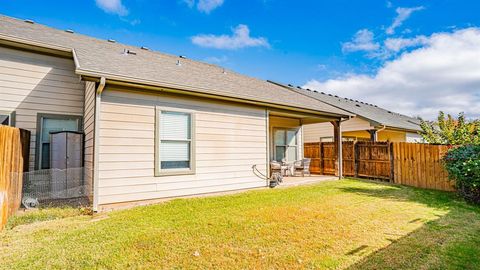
[370, 123]
[155, 125]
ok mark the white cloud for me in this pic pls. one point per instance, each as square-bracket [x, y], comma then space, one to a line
[402, 15]
[398, 44]
[443, 75]
[112, 6]
[208, 5]
[362, 41]
[205, 6]
[240, 38]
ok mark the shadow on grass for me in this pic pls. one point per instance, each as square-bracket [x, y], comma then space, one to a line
[430, 198]
[450, 242]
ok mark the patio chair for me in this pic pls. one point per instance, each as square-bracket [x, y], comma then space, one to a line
[302, 166]
[275, 166]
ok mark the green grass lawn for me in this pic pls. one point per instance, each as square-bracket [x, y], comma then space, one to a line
[346, 224]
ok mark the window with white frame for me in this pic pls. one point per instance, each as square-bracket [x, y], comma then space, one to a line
[175, 144]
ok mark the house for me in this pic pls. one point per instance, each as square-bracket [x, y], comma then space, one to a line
[370, 122]
[155, 125]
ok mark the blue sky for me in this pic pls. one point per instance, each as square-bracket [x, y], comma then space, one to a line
[307, 43]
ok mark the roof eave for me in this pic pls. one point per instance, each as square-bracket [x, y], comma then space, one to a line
[32, 45]
[402, 129]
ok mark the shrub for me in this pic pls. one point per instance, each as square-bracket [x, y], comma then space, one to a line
[463, 166]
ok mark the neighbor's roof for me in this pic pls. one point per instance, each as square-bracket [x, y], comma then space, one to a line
[368, 111]
[107, 59]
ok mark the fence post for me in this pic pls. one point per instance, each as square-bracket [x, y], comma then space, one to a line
[392, 165]
[320, 158]
[355, 158]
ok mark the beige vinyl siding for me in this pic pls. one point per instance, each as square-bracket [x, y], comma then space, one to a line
[32, 83]
[285, 122]
[89, 129]
[229, 139]
[414, 138]
[313, 132]
[392, 135]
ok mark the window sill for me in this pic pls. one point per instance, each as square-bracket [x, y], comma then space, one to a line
[173, 173]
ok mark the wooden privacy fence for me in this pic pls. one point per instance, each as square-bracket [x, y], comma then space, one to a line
[11, 170]
[411, 164]
[420, 165]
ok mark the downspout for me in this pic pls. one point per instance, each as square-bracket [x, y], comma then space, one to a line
[96, 146]
[267, 138]
[378, 130]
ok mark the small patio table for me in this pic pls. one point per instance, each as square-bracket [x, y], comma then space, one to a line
[286, 169]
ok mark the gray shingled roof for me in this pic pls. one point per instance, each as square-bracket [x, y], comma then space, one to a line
[368, 111]
[109, 59]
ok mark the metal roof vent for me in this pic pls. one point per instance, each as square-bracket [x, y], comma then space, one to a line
[145, 48]
[127, 51]
[69, 31]
[112, 40]
[29, 21]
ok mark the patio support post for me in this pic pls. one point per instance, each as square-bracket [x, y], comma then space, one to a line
[373, 135]
[337, 134]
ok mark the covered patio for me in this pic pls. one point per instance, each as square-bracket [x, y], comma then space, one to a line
[286, 146]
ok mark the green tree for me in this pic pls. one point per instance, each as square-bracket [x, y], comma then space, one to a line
[450, 130]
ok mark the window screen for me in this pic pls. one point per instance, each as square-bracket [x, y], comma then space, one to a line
[175, 141]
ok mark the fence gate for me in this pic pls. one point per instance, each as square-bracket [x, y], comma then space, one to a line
[323, 157]
[312, 151]
[329, 156]
[374, 160]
